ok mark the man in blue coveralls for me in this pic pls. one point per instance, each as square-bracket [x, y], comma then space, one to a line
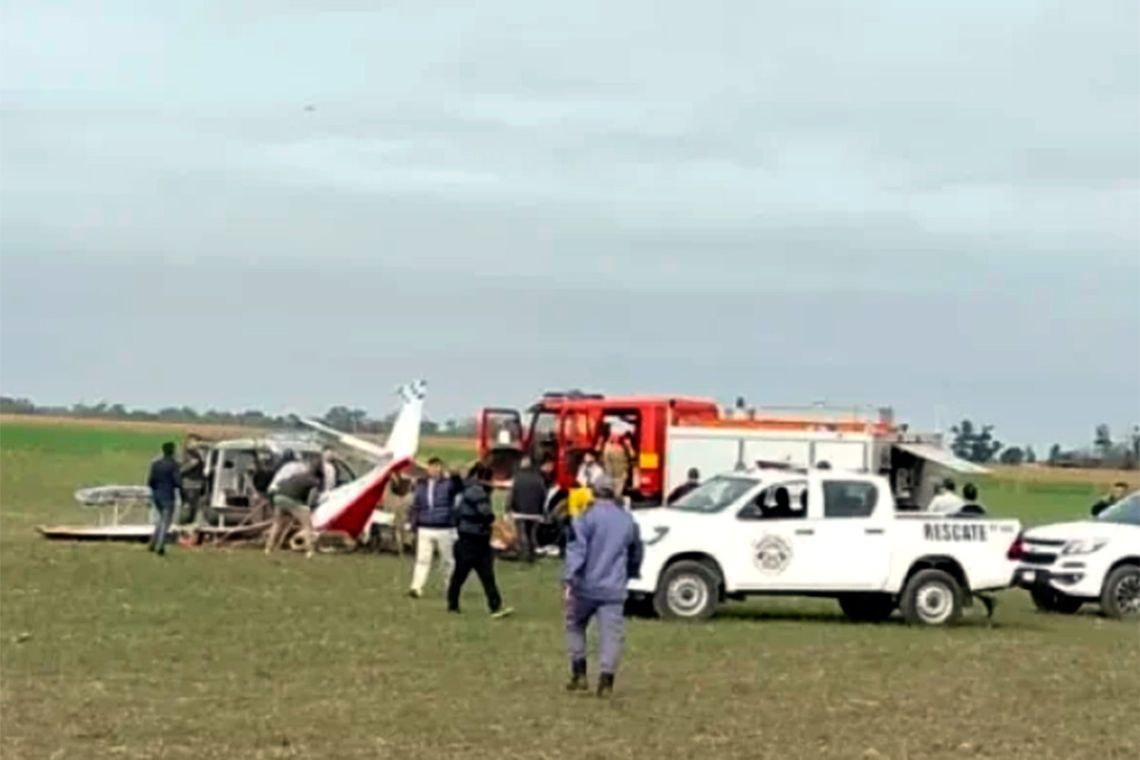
[604, 552]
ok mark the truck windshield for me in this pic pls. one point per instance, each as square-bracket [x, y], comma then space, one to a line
[714, 495]
[1124, 511]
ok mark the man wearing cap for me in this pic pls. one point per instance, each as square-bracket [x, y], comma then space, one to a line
[604, 552]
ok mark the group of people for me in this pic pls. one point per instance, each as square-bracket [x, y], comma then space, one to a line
[285, 488]
[946, 500]
[453, 517]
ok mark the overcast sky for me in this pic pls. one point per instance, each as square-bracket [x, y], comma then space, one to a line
[288, 205]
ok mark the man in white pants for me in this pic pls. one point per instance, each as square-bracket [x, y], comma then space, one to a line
[433, 517]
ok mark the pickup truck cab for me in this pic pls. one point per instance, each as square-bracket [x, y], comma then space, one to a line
[820, 533]
[1067, 565]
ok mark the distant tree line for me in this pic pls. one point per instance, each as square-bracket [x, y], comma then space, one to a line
[977, 443]
[352, 420]
[970, 441]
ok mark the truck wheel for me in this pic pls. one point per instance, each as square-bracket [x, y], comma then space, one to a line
[932, 597]
[687, 591]
[1121, 595]
[867, 608]
[1049, 600]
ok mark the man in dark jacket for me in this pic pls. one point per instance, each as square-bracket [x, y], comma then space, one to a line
[165, 481]
[692, 480]
[526, 504]
[1116, 494]
[433, 518]
[474, 517]
[973, 505]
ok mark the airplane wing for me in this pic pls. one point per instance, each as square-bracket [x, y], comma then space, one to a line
[367, 448]
[403, 439]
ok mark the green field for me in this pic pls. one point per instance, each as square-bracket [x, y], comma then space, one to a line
[107, 651]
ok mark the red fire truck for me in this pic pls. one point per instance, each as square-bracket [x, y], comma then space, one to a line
[564, 426]
[668, 435]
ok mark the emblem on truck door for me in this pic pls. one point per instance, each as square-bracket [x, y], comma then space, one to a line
[771, 554]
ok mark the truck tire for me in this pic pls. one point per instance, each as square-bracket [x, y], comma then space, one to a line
[687, 591]
[931, 597]
[1120, 597]
[1049, 600]
[867, 608]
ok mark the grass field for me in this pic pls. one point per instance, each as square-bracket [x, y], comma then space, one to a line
[106, 651]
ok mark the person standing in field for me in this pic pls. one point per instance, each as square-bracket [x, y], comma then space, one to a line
[474, 517]
[972, 503]
[193, 472]
[946, 500]
[328, 470]
[398, 501]
[525, 504]
[692, 480]
[617, 457]
[604, 552]
[165, 483]
[262, 477]
[433, 518]
[1116, 494]
[293, 495]
[589, 469]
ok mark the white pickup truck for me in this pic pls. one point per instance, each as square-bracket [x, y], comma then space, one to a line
[1097, 561]
[821, 533]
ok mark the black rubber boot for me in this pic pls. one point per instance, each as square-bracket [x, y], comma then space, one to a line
[606, 685]
[577, 677]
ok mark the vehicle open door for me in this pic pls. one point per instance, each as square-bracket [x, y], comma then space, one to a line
[917, 467]
[501, 442]
[577, 431]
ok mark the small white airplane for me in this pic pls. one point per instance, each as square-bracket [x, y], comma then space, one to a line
[346, 509]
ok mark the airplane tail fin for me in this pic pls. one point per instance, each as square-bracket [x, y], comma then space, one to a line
[349, 507]
[404, 438]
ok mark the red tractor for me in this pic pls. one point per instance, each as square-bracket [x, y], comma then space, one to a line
[563, 426]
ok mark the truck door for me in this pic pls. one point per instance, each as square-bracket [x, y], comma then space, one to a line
[215, 497]
[576, 430]
[500, 441]
[850, 521]
[773, 538]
